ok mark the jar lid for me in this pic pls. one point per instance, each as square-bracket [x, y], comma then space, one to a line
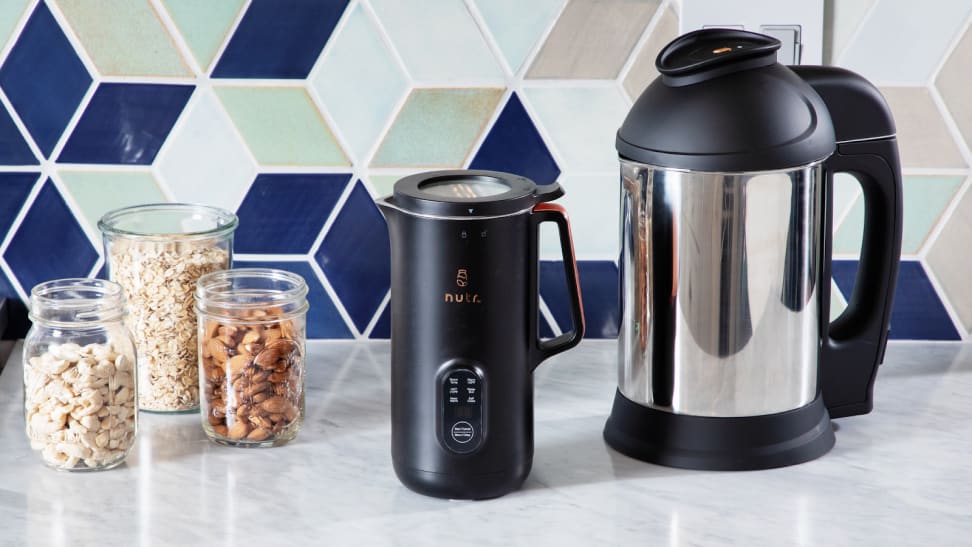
[469, 193]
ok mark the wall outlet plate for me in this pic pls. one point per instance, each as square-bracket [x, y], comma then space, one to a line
[796, 23]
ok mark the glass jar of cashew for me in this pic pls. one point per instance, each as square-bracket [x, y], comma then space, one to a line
[157, 253]
[251, 355]
[79, 375]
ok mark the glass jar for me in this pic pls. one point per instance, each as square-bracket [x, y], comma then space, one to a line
[157, 252]
[252, 326]
[79, 375]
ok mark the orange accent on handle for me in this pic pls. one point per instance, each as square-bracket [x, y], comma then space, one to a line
[570, 237]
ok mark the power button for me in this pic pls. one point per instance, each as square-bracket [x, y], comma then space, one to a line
[462, 432]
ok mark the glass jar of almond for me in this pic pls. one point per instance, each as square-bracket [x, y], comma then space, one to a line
[156, 253]
[252, 325]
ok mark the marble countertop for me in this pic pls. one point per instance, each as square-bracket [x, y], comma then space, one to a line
[899, 476]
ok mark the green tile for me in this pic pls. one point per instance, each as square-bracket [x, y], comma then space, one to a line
[10, 13]
[204, 24]
[96, 193]
[837, 303]
[384, 184]
[124, 38]
[925, 199]
[282, 126]
[437, 127]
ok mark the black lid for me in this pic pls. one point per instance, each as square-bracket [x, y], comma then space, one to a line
[723, 103]
[470, 193]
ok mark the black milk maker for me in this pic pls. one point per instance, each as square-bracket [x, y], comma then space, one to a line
[727, 356]
[464, 312]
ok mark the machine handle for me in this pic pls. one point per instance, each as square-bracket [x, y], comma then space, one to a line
[853, 345]
[542, 349]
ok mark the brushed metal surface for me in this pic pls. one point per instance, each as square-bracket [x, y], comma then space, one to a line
[720, 303]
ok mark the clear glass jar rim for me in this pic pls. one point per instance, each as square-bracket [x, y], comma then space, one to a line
[226, 221]
[107, 302]
[212, 300]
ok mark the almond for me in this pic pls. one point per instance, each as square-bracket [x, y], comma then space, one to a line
[275, 405]
[258, 434]
[217, 350]
[238, 430]
[237, 363]
[220, 430]
[252, 336]
[268, 357]
[276, 417]
[260, 397]
[253, 389]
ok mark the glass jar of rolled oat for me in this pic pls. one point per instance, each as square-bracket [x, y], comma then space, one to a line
[157, 253]
[252, 326]
[79, 375]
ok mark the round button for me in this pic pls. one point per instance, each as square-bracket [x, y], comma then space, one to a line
[462, 432]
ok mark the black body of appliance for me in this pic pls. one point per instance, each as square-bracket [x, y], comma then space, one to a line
[727, 355]
[464, 312]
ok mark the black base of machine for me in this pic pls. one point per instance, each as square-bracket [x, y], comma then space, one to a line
[463, 486]
[720, 444]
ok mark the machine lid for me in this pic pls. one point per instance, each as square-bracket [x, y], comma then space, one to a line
[723, 103]
[469, 193]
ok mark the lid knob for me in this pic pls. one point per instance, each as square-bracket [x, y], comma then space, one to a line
[707, 53]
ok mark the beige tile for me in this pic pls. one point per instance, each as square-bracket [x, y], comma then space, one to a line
[922, 136]
[954, 82]
[951, 262]
[643, 69]
[592, 39]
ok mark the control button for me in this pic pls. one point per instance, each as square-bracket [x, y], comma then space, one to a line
[454, 391]
[470, 381]
[454, 381]
[462, 432]
[453, 399]
[470, 390]
[471, 400]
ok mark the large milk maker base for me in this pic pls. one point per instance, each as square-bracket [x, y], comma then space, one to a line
[719, 444]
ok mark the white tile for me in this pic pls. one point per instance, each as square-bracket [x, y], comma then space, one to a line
[359, 82]
[438, 40]
[581, 124]
[517, 25]
[848, 16]
[903, 41]
[592, 204]
[204, 160]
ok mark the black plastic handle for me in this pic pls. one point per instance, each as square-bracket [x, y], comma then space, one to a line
[542, 349]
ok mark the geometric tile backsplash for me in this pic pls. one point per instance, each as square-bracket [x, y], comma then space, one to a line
[297, 114]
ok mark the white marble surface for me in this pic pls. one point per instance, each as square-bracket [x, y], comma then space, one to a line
[899, 476]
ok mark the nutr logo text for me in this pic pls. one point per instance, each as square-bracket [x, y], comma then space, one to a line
[465, 297]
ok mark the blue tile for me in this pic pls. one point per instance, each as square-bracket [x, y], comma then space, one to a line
[514, 145]
[355, 256]
[44, 78]
[918, 314]
[49, 243]
[382, 328]
[284, 213]
[13, 147]
[125, 123]
[279, 38]
[323, 319]
[599, 291]
[545, 331]
[14, 189]
[7, 289]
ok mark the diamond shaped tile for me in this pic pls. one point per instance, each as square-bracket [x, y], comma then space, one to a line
[96, 193]
[204, 159]
[920, 35]
[923, 139]
[124, 38]
[44, 79]
[581, 123]
[10, 13]
[7, 289]
[438, 40]
[918, 314]
[950, 260]
[49, 228]
[514, 145]
[437, 127]
[382, 329]
[13, 147]
[599, 291]
[323, 319]
[954, 83]
[643, 70]
[837, 301]
[593, 204]
[355, 256]
[592, 39]
[279, 38]
[125, 123]
[14, 189]
[284, 213]
[359, 81]
[204, 25]
[925, 199]
[847, 18]
[517, 26]
[282, 126]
